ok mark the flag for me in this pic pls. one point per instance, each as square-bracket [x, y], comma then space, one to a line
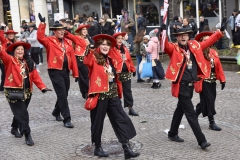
[164, 34]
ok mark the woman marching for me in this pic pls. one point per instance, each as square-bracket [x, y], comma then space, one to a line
[20, 76]
[126, 72]
[103, 64]
[208, 94]
[10, 39]
[81, 40]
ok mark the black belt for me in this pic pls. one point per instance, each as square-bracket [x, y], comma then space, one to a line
[188, 84]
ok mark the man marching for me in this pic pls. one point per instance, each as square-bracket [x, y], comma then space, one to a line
[61, 59]
[186, 64]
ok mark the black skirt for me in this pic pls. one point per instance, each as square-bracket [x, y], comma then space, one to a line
[207, 99]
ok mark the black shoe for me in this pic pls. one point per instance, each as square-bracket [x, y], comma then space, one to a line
[68, 125]
[14, 131]
[128, 153]
[157, 85]
[214, 127]
[148, 80]
[29, 140]
[153, 85]
[59, 118]
[176, 138]
[98, 151]
[140, 80]
[132, 112]
[205, 144]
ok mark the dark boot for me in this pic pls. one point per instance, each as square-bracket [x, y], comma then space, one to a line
[132, 112]
[14, 131]
[153, 85]
[98, 151]
[198, 109]
[29, 140]
[214, 127]
[212, 124]
[128, 153]
[157, 85]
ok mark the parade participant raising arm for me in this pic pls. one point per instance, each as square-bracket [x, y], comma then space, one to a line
[82, 41]
[127, 70]
[61, 59]
[103, 66]
[208, 94]
[186, 64]
[20, 76]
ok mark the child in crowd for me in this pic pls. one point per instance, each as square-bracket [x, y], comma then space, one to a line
[143, 52]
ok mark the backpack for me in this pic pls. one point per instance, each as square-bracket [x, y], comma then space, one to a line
[145, 22]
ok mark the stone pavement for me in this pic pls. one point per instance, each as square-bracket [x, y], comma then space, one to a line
[155, 107]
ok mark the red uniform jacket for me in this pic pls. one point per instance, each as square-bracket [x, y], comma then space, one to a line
[129, 62]
[5, 41]
[98, 78]
[177, 56]
[14, 78]
[55, 54]
[81, 44]
[217, 64]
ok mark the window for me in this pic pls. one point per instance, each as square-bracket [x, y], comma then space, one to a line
[148, 10]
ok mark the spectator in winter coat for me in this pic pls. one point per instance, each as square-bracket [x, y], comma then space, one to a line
[236, 38]
[107, 25]
[153, 49]
[231, 21]
[172, 26]
[203, 23]
[194, 27]
[24, 33]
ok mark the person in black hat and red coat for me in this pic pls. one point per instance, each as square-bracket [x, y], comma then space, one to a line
[127, 69]
[208, 94]
[82, 41]
[10, 39]
[20, 76]
[61, 59]
[103, 65]
[187, 63]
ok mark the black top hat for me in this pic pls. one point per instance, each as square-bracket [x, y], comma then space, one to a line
[56, 26]
[183, 31]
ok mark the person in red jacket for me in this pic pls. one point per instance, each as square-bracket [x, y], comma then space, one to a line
[126, 71]
[82, 42]
[10, 39]
[20, 76]
[187, 63]
[208, 94]
[103, 65]
[61, 59]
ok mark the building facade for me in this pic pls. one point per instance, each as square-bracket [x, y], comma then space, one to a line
[17, 10]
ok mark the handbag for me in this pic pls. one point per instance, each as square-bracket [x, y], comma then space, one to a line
[175, 85]
[147, 68]
[19, 95]
[198, 86]
[91, 102]
[141, 64]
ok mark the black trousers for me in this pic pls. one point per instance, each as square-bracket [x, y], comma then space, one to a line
[41, 55]
[83, 81]
[185, 106]
[20, 115]
[35, 54]
[121, 123]
[2, 76]
[127, 93]
[233, 32]
[61, 84]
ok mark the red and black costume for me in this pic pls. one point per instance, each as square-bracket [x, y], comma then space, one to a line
[103, 81]
[5, 43]
[20, 78]
[196, 66]
[206, 106]
[61, 59]
[81, 45]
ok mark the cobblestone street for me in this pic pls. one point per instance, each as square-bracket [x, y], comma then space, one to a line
[155, 106]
